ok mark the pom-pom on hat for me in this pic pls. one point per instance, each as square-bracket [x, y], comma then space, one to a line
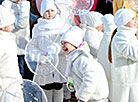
[74, 35]
[6, 17]
[123, 16]
[94, 19]
[47, 4]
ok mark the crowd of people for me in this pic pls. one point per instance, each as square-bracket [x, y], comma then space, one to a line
[98, 54]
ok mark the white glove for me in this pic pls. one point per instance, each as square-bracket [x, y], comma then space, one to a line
[44, 59]
[108, 22]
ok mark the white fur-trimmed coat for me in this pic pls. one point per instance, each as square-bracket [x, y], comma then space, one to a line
[50, 29]
[9, 70]
[124, 71]
[88, 76]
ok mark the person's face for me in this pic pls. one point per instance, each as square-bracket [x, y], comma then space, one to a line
[131, 23]
[67, 47]
[100, 28]
[49, 14]
[9, 28]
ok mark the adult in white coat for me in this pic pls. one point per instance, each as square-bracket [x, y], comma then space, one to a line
[9, 70]
[88, 75]
[21, 9]
[93, 34]
[50, 26]
[109, 28]
[124, 48]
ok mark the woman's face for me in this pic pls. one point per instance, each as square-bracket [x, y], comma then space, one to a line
[67, 47]
[49, 14]
[131, 23]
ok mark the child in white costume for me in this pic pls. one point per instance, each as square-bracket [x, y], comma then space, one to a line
[102, 56]
[9, 70]
[93, 34]
[89, 78]
[50, 26]
[124, 48]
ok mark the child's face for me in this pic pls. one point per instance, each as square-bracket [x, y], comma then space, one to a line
[131, 23]
[100, 28]
[9, 28]
[49, 14]
[67, 47]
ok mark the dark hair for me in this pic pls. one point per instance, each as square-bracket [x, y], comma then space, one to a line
[109, 48]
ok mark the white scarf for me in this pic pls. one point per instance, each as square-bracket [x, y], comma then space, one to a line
[49, 27]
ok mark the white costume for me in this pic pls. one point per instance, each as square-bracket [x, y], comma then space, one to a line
[88, 75]
[51, 29]
[92, 36]
[109, 27]
[9, 70]
[124, 59]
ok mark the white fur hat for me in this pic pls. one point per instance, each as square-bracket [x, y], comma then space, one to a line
[47, 4]
[6, 17]
[94, 19]
[123, 16]
[73, 35]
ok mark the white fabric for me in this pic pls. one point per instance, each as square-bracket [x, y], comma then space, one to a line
[6, 17]
[47, 4]
[123, 16]
[9, 70]
[22, 29]
[124, 65]
[49, 29]
[93, 19]
[70, 59]
[108, 22]
[58, 95]
[74, 35]
[53, 27]
[93, 38]
[89, 78]
[7, 4]
[49, 94]
[104, 47]
[54, 95]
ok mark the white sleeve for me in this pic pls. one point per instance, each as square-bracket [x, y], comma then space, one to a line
[22, 20]
[89, 80]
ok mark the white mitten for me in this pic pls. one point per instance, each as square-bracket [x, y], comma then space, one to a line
[44, 59]
[108, 22]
